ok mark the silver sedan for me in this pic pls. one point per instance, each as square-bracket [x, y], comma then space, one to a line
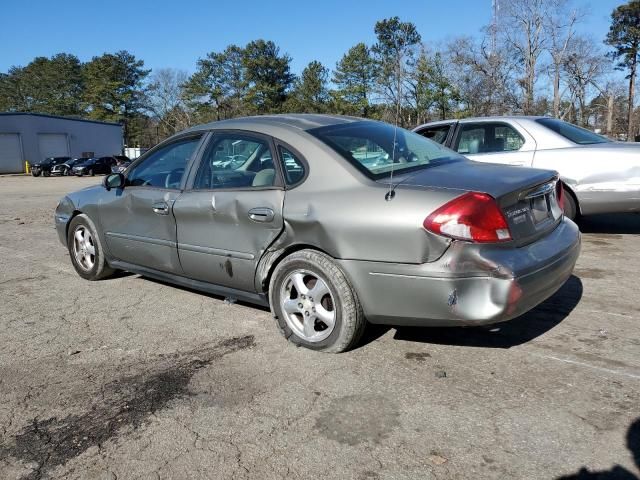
[332, 222]
[600, 176]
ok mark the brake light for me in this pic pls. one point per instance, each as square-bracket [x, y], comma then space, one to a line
[473, 216]
[560, 194]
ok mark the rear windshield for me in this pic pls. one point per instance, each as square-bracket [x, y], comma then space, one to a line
[576, 134]
[369, 146]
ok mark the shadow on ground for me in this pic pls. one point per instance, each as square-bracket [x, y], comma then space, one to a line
[507, 334]
[618, 472]
[628, 223]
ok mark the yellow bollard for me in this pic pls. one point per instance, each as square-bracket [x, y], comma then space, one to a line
[27, 167]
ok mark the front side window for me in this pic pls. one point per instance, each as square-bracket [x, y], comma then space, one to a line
[488, 138]
[165, 167]
[292, 166]
[236, 161]
[438, 133]
[376, 148]
[571, 132]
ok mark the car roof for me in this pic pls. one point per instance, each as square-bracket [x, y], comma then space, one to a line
[482, 119]
[298, 121]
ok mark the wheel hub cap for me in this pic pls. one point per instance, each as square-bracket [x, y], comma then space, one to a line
[308, 306]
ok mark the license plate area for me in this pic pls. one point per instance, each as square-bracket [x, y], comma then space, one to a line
[540, 208]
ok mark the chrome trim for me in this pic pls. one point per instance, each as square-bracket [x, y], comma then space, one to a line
[541, 191]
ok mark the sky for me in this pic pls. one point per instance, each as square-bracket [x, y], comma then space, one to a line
[173, 34]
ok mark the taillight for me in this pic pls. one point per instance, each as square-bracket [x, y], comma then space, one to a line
[473, 216]
[560, 194]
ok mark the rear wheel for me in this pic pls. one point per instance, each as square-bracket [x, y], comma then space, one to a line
[35, 174]
[85, 248]
[314, 303]
[570, 207]
[46, 173]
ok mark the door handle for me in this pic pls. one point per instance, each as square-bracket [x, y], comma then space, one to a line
[161, 208]
[261, 214]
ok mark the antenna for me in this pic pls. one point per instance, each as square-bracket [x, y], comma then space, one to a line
[391, 193]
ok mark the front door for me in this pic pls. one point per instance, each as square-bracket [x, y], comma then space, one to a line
[495, 142]
[138, 220]
[232, 212]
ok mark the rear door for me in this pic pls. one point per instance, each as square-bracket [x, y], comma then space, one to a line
[232, 211]
[495, 141]
[138, 220]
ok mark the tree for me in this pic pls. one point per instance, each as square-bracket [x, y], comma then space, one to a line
[310, 93]
[559, 28]
[523, 23]
[583, 65]
[624, 37]
[218, 84]
[268, 76]
[166, 102]
[394, 53]
[355, 78]
[46, 85]
[483, 76]
[114, 88]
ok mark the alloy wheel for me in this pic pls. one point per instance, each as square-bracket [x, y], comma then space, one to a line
[83, 248]
[308, 305]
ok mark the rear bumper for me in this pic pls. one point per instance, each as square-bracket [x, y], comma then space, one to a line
[471, 284]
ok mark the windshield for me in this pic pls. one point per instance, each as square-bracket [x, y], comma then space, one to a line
[576, 134]
[369, 147]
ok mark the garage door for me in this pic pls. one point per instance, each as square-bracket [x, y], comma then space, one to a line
[53, 145]
[10, 153]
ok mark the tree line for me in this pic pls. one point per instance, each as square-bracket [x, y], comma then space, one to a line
[529, 60]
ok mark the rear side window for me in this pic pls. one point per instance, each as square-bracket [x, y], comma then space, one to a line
[488, 138]
[438, 133]
[292, 166]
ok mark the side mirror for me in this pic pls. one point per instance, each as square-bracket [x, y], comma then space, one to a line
[114, 180]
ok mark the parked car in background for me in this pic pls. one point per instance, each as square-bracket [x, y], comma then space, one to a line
[304, 224]
[44, 168]
[93, 166]
[599, 176]
[66, 167]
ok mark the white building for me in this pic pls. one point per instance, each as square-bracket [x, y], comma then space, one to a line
[33, 137]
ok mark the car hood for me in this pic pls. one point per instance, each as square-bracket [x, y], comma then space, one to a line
[466, 175]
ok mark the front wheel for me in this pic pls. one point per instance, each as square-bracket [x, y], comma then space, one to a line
[35, 174]
[85, 248]
[314, 304]
[91, 172]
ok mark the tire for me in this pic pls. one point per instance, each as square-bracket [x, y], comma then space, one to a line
[96, 268]
[91, 172]
[35, 174]
[570, 207]
[318, 273]
[46, 173]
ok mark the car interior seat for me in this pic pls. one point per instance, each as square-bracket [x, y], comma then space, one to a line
[264, 178]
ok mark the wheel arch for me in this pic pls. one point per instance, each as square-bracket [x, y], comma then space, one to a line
[571, 192]
[271, 259]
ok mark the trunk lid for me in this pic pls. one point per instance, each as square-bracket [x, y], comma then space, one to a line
[526, 196]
